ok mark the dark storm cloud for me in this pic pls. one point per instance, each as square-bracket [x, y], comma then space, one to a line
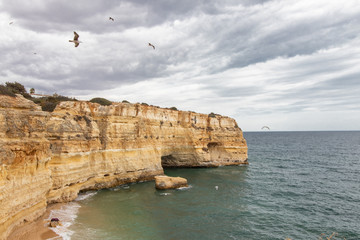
[53, 15]
[267, 37]
[86, 15]
[93, 15]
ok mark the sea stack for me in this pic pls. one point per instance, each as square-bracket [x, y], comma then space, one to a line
[166, 182]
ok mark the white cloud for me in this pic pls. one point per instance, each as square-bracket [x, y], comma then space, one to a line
[251, 60]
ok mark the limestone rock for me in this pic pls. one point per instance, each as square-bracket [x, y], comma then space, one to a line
[50, 157]
[166, 182]
[18, 102]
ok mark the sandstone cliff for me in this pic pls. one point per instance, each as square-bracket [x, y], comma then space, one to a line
[51, 157]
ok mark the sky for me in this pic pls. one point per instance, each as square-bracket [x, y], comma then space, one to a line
[288, 64]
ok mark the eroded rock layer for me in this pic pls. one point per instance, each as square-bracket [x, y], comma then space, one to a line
[51, 157]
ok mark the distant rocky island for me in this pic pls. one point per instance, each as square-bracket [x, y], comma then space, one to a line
[50, 156]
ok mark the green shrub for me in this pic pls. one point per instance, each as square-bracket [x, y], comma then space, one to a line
[36, 100]
[125, 101]
[212, 115]
[46, 103]
[49, 106]
[145, 104]
[10, 89]
[174, 108]
[101, 101]
[49, 103]
[5, 91]
[17, 88]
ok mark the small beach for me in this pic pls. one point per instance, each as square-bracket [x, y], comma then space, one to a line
[39, 229]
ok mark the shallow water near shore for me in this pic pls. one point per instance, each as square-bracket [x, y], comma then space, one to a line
[297, 185]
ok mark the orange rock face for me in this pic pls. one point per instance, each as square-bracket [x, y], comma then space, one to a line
[166, 182]
[50, 157]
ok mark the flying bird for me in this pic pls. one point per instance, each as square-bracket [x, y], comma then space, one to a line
[152, 46]
[11, 23]
[110, 18]
[265, 127]
[76, 41]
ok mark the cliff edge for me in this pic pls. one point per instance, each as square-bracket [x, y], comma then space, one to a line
[51, 157]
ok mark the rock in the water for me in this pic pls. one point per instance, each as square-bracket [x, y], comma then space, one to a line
[54, 223]
[166, 182]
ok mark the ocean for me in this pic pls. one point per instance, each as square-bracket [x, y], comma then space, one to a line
[298, 185]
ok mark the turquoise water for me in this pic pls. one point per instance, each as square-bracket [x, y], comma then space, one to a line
[297, 185]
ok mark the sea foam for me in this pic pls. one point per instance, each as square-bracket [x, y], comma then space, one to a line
[67, 215]
[184, 188]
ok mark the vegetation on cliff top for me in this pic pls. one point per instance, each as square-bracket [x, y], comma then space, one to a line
[10, 89]
[47, 103]
[5, 91]
[212, 115]
[101, 101]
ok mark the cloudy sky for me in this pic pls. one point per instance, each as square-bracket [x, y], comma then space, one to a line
[287, 64]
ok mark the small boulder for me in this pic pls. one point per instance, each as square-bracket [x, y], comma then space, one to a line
[166, 182]
[54, 222]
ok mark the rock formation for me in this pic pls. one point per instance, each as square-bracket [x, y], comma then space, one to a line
[166, 182]
[50, 157]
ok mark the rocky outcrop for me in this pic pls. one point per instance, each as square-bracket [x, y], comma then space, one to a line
[51, 157]
[166, 182]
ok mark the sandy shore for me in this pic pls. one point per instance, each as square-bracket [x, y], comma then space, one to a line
[37, 230]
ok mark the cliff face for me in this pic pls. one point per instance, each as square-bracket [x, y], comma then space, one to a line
[50, 157]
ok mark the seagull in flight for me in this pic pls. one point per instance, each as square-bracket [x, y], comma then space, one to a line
[152, 46]
[76, 41]
[110, 18]
[11, 23]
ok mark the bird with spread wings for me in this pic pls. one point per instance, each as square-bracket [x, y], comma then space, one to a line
[152, 46]
[76, 39]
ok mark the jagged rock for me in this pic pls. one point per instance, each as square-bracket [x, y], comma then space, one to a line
[166, 182]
